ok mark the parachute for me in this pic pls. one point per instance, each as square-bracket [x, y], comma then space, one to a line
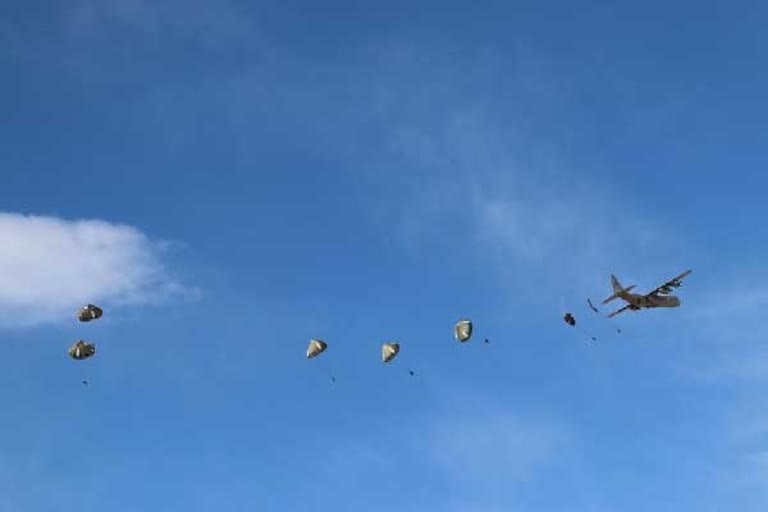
[82, 350]
[315, 348]
[89, 312]
[389, 351]
[462, 330]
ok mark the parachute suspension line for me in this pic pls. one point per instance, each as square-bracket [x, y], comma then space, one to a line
[587, 334]
[570, 320]
[597, 311]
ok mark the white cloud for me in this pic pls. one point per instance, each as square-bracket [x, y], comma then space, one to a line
[51, 266]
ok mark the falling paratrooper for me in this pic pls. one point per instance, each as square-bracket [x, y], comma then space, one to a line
[82, 350]
[315, 348]
[389, 351]
[463, 330]
[89, 312]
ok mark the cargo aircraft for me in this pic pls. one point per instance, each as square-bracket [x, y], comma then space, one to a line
[658, 298]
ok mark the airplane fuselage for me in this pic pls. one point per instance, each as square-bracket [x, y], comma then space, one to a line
[650, 301]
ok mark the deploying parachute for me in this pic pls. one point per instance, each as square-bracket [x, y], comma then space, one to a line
[463, 330]
[89, 312]
[570, 320]
[389, 351]
[315, 348]
[82, 350]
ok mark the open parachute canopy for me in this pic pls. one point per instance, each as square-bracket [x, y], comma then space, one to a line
[463, 330]
[389, 351]
[89, 312]
[315, 348]
[82, 350]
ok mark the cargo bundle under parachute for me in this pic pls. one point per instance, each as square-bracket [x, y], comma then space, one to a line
[315, 348]
[389, 351]
[82, 350]
[89, 312]
[463, 330]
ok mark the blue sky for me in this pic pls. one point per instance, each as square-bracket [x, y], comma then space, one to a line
[231, 179]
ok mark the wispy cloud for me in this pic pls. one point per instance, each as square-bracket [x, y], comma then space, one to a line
[463, 165]
[51, 266]
[759, 463]
[484, 453]
[567, 237]
[98, 41]
[725, 320]
[531, 223]
[743, 297]
[494, 446]
[190, 20]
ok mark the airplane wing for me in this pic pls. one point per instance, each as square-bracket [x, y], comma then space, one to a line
[675, 282]
[628, 306]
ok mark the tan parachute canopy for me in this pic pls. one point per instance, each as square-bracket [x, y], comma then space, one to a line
[82, 350]
[463, 330]
[315, 348]
[89, 312]
[389, 351]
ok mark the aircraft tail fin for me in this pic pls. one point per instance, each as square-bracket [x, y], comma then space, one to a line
[618, 290]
